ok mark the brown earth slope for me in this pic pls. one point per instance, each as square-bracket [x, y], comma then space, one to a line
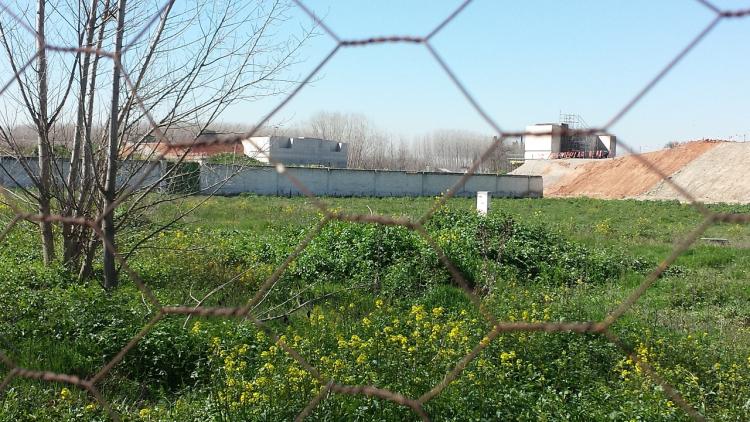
[722, 174]
[631, 176]
[627, 176]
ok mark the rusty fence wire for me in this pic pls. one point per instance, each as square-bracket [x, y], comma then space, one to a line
[332, 386]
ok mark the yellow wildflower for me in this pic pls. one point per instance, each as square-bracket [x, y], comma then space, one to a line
[506, 358]
[144, 413]
[454, 333]
[379, 303]
[546, 314]
[65, 393]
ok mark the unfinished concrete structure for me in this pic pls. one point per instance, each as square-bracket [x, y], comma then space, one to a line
[300, 151]
[546, 141]
[541, 141]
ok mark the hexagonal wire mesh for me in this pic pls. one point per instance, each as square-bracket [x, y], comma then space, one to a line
[601, 328]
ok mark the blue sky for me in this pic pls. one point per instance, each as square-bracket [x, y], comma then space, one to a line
[525, 62]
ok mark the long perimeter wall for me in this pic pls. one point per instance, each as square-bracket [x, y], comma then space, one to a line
[232, 180]
[350, 182]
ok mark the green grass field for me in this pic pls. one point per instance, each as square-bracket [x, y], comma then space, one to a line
[373, 305]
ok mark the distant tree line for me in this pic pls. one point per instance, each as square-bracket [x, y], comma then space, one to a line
[373, 148]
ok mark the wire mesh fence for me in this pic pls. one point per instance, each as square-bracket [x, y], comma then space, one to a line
[330, 386]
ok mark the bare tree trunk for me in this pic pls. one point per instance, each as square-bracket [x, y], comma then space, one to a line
[72, 246]
[48, 246]
[110, 186]
[88, 252]
[87, 194]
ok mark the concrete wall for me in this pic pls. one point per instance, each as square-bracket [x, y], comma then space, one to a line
[610, 143]
[314, 181]
[257, 147]
[231, 180]
[350, 182]
[542, 140]
[391, 183]
[301, 151]
[13, 173]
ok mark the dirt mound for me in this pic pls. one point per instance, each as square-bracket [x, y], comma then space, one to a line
[722, 174]
[627, 176]
[550, 170]
[713, 171]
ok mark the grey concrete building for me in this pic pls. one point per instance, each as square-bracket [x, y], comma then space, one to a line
[546, 141]
[300, 151]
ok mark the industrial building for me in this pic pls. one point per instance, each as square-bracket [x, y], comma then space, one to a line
[546, 141]
[279, 149]
[300, 150]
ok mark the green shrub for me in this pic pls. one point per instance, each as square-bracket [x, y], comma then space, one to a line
[483, 249]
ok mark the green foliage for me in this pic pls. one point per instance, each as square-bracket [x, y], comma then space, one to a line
[400, 262]
[184, 177]
[405, 329]
[228, 158]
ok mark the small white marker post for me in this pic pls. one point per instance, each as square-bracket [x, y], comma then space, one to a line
[483, 202]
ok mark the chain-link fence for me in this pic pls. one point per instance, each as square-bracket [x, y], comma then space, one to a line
[332, 386]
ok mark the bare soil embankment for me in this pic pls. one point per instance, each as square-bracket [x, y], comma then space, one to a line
[710, 171]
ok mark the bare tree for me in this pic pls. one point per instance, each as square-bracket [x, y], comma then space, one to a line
[355, 129]
[110, 183]
[373, 148]
[43, 123]
[176, 67]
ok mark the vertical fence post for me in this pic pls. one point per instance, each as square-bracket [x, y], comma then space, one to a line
[483, 202]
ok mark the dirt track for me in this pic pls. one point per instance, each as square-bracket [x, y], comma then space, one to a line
[711, 171]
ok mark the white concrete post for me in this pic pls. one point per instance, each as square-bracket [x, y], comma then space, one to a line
[483, 202]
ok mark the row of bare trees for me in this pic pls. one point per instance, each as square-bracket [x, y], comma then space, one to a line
[372, 148]
[94, 79]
